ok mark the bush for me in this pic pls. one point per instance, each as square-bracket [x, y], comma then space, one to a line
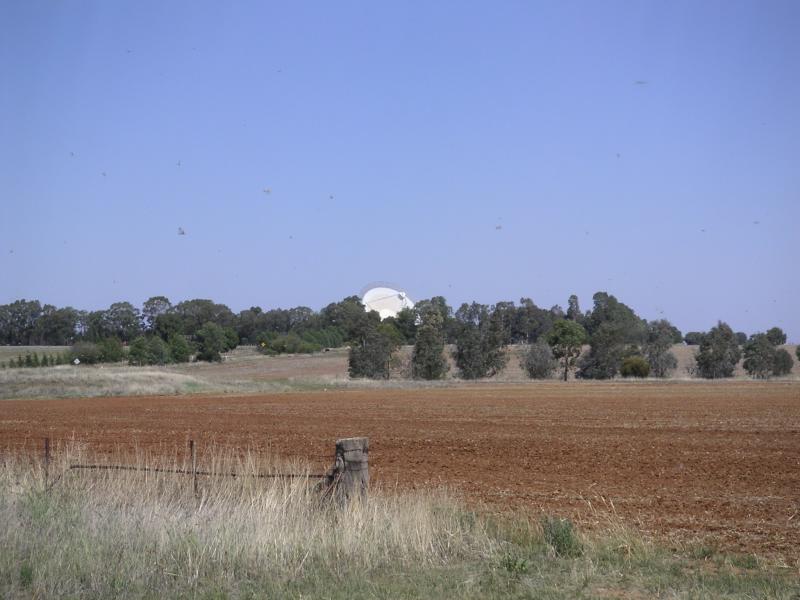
[111, 350]
[231, 339]
[538, 361]
[86, 352]
[561, 537]
[179, 348]
[212, 340]
[289, 343]
[635, 366]
[783, 363]
[137, 352]
[149, 350]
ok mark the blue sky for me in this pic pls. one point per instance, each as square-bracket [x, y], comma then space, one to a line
[480, 151]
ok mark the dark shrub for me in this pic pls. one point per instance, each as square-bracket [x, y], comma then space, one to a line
[86, 352]
[635, 366]
[179, 348]
[783, 363]
[111, 350]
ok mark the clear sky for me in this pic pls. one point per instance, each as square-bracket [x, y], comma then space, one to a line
[480, 151]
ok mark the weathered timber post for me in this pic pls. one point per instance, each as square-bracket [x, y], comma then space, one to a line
[349, 476]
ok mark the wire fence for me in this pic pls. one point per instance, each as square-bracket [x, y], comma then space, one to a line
[47, 458]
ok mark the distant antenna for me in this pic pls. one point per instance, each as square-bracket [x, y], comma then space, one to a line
[386, 299]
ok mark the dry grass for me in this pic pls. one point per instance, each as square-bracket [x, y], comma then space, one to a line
[69, 381]
[133, 534]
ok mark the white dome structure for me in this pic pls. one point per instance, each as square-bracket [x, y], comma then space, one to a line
[385, 300]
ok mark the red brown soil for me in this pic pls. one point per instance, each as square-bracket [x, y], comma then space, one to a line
[695, 460]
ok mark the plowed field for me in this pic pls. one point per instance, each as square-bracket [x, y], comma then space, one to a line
[689, 460]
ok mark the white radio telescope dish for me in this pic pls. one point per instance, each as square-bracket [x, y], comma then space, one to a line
[387, 301]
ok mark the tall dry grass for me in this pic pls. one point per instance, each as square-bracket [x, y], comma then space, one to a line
[102, 533]
[145, 534]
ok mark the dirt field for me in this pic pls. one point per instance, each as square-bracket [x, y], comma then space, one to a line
[688, 460]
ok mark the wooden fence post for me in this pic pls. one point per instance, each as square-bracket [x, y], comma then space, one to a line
[46, 462]
[349, 476]
[193, 451]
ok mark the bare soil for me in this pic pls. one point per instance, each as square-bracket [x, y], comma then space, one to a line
[685, 461]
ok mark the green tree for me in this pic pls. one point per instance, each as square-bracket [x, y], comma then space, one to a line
[18, 322]
[406, 323]
[661, 335]
[212, 342]
[532, 322]
[123, 321]
[179, 348]
[566, 339]
[719, 353]
[152, 309]
[371, 355]
[611, 326]
[194, 314]
[694, 338]
[480, 341]
[538, 360]
[231, 338]
[111, 350]
[741, 337]
[776, 336]
[574, 309]
[783, 363]
[759, 356]
[35, 360]
[158, 351]
[56, 326]
[428, 360]
[139, 352]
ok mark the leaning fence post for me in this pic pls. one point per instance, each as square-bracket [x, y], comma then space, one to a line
[193, 451]
[349, 476]
[46, 462]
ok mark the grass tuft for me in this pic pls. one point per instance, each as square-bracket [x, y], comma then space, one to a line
[560, 535]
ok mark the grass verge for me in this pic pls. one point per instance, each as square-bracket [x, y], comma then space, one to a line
[133, 534]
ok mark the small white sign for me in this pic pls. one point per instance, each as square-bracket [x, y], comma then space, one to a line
[76, 362]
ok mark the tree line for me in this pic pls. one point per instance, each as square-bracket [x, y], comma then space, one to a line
[619, 341]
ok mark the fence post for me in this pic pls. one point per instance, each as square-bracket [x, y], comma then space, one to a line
[193, 451]
[46, 462]
[349, 476]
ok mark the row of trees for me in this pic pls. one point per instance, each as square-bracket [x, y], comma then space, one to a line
[620, 343]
